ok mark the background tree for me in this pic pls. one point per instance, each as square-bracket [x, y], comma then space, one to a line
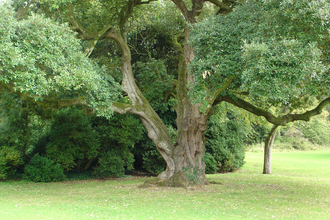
[274, 53]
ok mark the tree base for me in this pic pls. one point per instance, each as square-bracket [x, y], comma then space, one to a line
[179, 179]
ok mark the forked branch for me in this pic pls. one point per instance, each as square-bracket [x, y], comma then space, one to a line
[281, 120]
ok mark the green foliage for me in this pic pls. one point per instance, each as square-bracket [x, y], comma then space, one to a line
[43, 169]
[152, 160]
[210, 163]
[316, 131]
[110, 165]
[22, 123]
[225, 142]
[306, 135]
[119, 135]
[276, 52]
[119, 131]
[44, 60]
[301, 135]
[77, 141]
[153, 79]
[10, 159]
[72, 140]
[193, 174]
[73, 175]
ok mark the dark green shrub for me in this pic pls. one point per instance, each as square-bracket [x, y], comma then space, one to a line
[43, 169]
[21, 126]
[110, 165]
[73, 142]
[153, 162]
[210, 164]
[225, 142]
[74, 175]
[119, 135]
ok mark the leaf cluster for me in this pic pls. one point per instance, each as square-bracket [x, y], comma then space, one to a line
[276, 51]
[44, 60]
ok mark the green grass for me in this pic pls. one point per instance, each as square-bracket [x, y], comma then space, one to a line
[297, 189]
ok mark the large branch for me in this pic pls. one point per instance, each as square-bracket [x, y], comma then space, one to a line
[157, 130]
[59, 103]
[216, 93]
[222, 5]
[76, 25]
[123, 108]
[83, 33]
[183, 8]
[189, 15]
[147, 2]
[126, 13]
[281, 120]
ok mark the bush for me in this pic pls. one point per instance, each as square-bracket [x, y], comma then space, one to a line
[10, 158]
[225, 142]
[153, 161]
[73, 142]
[110, 165]
[119, 135]
[210, 164]
[42, 169]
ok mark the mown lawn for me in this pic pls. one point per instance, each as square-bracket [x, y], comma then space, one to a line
[297, 189]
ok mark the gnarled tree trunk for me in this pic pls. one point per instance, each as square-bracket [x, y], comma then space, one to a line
[191, 124]
[189, 147]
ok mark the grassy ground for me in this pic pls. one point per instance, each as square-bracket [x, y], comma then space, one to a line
[297, 189]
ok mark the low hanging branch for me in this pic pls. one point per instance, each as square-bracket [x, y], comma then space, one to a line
[281, 120]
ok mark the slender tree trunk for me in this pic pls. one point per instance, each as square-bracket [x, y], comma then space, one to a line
[268, 150]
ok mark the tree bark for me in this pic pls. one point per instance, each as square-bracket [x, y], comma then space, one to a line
[268, 150]
[191, 123]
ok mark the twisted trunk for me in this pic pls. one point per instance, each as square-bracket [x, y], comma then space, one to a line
[184, 160]
[157, 130]
[191, 124]
[189, 147]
